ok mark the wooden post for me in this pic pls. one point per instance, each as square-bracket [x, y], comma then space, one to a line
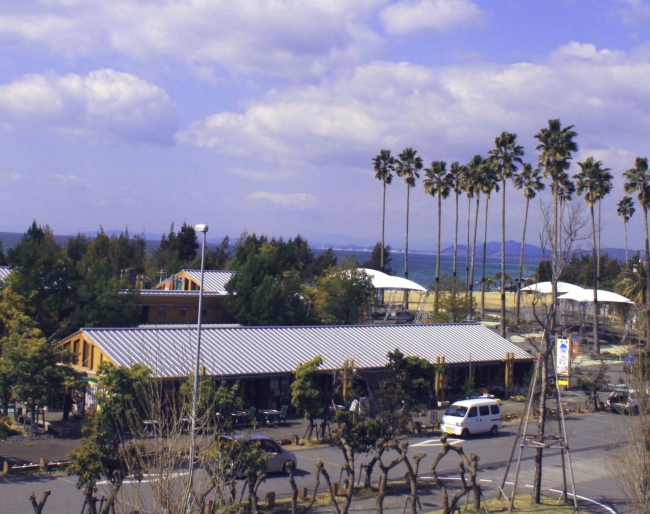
[303, 494]
[6, 467]
[270, 499]
[208, 507]
[335, 488]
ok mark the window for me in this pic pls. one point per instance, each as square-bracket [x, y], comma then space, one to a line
[484, 410]
[472, 413]
[183, 313]
[161, 313]
[494, 409]
[204, 313]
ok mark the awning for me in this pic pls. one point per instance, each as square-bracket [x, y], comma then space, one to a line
[546, 288]
[587, 295]
[383, 281]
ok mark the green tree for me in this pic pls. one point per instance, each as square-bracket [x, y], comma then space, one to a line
[376, 261]
[504, 158]
[529, 181]
[384, 165]
[625, 209]
[342, 296]
[408, 167]
[454, 306]
[437, 184]
[637, 180]
[306, 395]
[474, 184]
[488, 184]
[455, 178]
[594, 182]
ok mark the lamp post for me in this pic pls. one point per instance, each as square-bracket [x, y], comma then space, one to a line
[195, 398]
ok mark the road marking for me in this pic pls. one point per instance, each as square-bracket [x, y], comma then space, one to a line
[436, 442]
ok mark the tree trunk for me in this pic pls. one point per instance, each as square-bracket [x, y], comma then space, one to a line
[594, 266]
[471, 272]
[599, 229]
[646, 264]
[541, 422]
[383, 222]
[406, 250]
[485, 224]
[521, 265]
[502, 324]
[437, 289]
[467, 248]
[627, 260]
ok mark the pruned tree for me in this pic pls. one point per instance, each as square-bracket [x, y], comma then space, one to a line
[306, 395]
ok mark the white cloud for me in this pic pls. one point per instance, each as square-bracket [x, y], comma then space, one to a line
[634, 11]
[104, 104]
[444, 111]
[290, 200]
[410, 16]
[262, 175]
[281, 37]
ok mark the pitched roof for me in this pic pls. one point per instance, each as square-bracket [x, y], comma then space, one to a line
[4, 272]
[214, 281]
[272, 350]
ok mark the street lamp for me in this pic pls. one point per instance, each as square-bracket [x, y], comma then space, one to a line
[195, 398]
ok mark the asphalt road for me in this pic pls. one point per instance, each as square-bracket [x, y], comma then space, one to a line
[589, 441]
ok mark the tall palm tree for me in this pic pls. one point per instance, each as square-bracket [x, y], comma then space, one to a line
[455, 179]
[384, 165]
[408, 167]
[504, 159]
[626, 210]
[436, 183]
[475, 169]
[555, 146]
[529, 180]
[638, 181]
[489, 184]
[593, 182]
[468, 188]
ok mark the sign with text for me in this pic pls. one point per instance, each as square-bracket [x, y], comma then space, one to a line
[562, 357]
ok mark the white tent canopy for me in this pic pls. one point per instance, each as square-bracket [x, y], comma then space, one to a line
[382, 281]
[546, 288]
[587, 295]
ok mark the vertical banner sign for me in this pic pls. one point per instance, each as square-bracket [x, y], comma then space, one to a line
[562, 357]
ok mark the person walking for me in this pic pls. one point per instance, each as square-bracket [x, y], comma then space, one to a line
[67, 405]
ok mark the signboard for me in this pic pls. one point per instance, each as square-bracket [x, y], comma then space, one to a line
[562, 382]
[562, 357]
[629, 359]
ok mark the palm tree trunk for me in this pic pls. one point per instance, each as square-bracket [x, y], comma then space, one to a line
[469, 217]
[471, 271]
[487, 202]
[383, 221]
[502, 324]
[594, 281]
[406, 249]
[599, 230]
[647, 277]
[437, 290]
[453, 285]
[627, 261]
[521, 265]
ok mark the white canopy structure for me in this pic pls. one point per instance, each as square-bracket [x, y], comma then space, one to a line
[383, 281]
[587, 295]
[546, 288]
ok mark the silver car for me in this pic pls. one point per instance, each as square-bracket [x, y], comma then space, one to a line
[278, 457]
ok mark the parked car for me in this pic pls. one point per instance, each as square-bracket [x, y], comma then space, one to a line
[278, 457]
[469, 417]
[623, 402]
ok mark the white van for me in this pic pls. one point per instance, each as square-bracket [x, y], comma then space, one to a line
[469, 417]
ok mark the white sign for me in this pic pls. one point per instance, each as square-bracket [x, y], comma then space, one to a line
[562, 357]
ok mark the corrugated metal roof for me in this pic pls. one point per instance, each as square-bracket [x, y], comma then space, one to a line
[4, 272]
[172, 292]
[270, 350]
[214, 281]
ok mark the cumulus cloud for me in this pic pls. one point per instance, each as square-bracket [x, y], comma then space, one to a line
[262, 175]
[281, 37]
[410, 16]
[448, 109]
[105, 104]
[289, 200]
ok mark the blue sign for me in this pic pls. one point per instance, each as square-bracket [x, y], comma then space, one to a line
[629, 359]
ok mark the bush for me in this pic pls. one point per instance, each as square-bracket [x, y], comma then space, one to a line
[5, 427]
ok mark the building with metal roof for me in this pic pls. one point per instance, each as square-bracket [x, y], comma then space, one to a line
[4, 272]
[214, 281]
[273, 353]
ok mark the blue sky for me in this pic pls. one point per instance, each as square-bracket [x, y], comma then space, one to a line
[264, 115]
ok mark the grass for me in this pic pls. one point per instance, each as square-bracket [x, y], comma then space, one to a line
[524, 503]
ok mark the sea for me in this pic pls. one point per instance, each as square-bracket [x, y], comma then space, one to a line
[422, 266]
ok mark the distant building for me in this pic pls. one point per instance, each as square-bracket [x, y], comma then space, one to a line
[176, 299]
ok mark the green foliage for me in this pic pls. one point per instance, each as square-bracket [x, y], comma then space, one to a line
[544, 271]
[342, 296]
[223, 400]
[374, 262]
[176, 249]
[5, 427]
[305, 393]
[454, 302]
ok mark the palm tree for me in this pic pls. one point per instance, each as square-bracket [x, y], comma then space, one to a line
[638, 181]
[475, 169]
[529, 180]
[408, 167]
[504, 159]
[468, 188]
[593, 182]
[489, 184]
[555, 146]
[455, 179]
[436, 183]
[625, 210]
[383, 165]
